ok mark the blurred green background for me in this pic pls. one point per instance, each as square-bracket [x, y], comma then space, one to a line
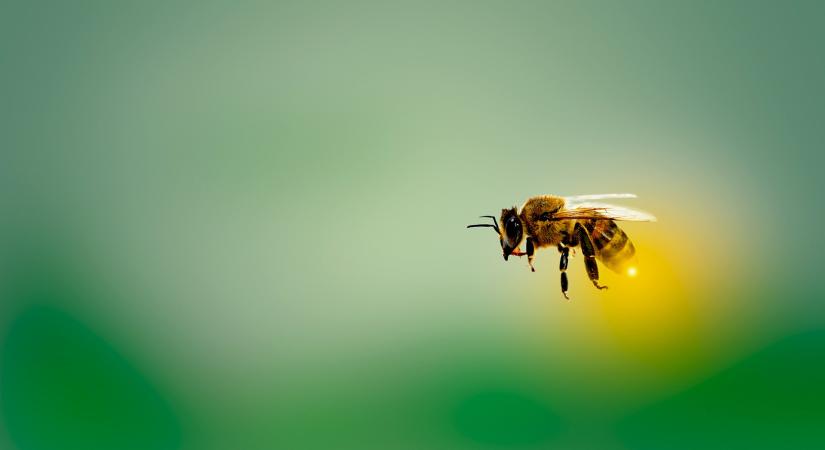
[240, 225]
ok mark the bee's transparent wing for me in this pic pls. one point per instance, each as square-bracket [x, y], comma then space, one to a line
[603, 211]
[586, 198]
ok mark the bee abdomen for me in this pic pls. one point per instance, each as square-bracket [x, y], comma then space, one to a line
[612, 245]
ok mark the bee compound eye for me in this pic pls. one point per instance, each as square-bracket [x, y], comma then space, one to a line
[512, 226]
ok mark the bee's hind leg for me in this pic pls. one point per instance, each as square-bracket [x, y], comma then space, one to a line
[589, 256]
[563, 268]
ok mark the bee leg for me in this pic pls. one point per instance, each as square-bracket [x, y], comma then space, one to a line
[530, 252]
[589, 256]
[563, 268]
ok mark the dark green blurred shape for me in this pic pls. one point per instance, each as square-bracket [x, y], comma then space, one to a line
[773, 399]
[64, 387]
[506, 417]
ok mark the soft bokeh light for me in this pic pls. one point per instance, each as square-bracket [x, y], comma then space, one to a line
[242, 226]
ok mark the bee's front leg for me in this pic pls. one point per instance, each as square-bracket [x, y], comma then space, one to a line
[530, 252]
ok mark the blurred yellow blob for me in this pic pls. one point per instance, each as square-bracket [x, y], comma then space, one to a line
[631, 272]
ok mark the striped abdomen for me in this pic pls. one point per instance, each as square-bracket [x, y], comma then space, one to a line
[613, 247]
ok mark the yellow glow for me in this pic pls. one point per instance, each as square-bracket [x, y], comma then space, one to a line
[655, 319]
[631, 272]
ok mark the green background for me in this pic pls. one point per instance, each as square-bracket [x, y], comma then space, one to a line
[241, 225]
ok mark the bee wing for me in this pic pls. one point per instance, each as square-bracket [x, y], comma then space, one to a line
[586, 198]
[603, 211]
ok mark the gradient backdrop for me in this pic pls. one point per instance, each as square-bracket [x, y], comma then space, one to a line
[241, 225]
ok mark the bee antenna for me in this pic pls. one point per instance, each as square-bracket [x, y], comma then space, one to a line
[494, 220]
[482, 225]
[495, 227]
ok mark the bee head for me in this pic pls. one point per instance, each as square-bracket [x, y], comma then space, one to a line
[512, 232]
[511, 236]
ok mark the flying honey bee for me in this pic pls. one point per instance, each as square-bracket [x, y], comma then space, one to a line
[569, 222]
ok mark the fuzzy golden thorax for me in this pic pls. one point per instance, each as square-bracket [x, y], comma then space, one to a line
[534, 215]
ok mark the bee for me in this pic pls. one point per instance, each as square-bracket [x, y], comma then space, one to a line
[567, 223]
